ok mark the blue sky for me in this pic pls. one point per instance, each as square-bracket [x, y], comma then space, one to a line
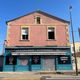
[10, 9]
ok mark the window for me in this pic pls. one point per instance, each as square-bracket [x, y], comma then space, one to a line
[24, 33]
[79, 48]
[36, 60]
[38, 20]
[64, 59]
[11, 60]
[22, 61]
[72, 49]
[51, 33]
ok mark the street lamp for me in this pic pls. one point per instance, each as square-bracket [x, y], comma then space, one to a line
[70, 10]
[79, 31]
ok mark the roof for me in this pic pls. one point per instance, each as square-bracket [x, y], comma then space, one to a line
[41, 12]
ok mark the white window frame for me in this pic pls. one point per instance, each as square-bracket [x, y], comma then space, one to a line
[24, 27]
[36, 20]
[54, 32]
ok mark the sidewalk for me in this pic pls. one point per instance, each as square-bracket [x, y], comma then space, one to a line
[35, 76]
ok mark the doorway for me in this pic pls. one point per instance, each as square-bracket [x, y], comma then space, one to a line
[49, 63]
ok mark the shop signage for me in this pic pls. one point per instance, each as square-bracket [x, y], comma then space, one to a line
[64, 59]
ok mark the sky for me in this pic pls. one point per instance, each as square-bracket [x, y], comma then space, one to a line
[11, 9]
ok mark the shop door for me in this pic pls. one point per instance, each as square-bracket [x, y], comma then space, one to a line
[49, 63]
[23, 63]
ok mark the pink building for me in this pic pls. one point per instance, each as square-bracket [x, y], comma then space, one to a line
[37, 41]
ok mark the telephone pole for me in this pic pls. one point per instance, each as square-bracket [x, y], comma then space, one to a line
[70, 11]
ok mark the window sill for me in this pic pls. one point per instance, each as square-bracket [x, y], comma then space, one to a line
[51, 39]
[24, 40]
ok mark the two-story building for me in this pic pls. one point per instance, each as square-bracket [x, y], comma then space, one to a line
[37, 41]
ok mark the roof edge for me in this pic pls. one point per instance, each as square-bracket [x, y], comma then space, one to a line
[39, 11]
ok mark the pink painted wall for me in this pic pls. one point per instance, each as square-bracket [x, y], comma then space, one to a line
[38, 32]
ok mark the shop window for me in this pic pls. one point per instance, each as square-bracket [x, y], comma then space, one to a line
[36, 60]
[64, 59]
[24, 33]
[51, 33]
[23, 61]
[11, 60]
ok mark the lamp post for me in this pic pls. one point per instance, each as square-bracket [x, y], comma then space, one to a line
[79, 31]
[70, 10]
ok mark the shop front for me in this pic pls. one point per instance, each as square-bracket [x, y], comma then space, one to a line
[37, 59]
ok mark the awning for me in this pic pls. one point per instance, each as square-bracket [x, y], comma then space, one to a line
[39, 53]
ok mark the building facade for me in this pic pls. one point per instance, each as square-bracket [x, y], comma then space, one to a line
[78, 61]
[37, 41]
[77, 47]
[77, 50]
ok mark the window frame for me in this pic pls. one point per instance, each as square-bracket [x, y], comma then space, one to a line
[54, 32]
[36, 20]
[24, 27]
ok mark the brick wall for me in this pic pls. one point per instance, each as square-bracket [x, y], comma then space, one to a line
[37, 32]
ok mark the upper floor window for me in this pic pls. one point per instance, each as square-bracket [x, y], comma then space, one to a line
[38, 20]
[24, 34]
[51, 33]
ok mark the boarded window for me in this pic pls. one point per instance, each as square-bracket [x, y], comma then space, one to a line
[24, 33]
[51, 33]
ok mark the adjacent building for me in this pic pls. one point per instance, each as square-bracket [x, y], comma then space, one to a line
[78, 61]
[77, 50]
[77, 47]
[37, 41]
